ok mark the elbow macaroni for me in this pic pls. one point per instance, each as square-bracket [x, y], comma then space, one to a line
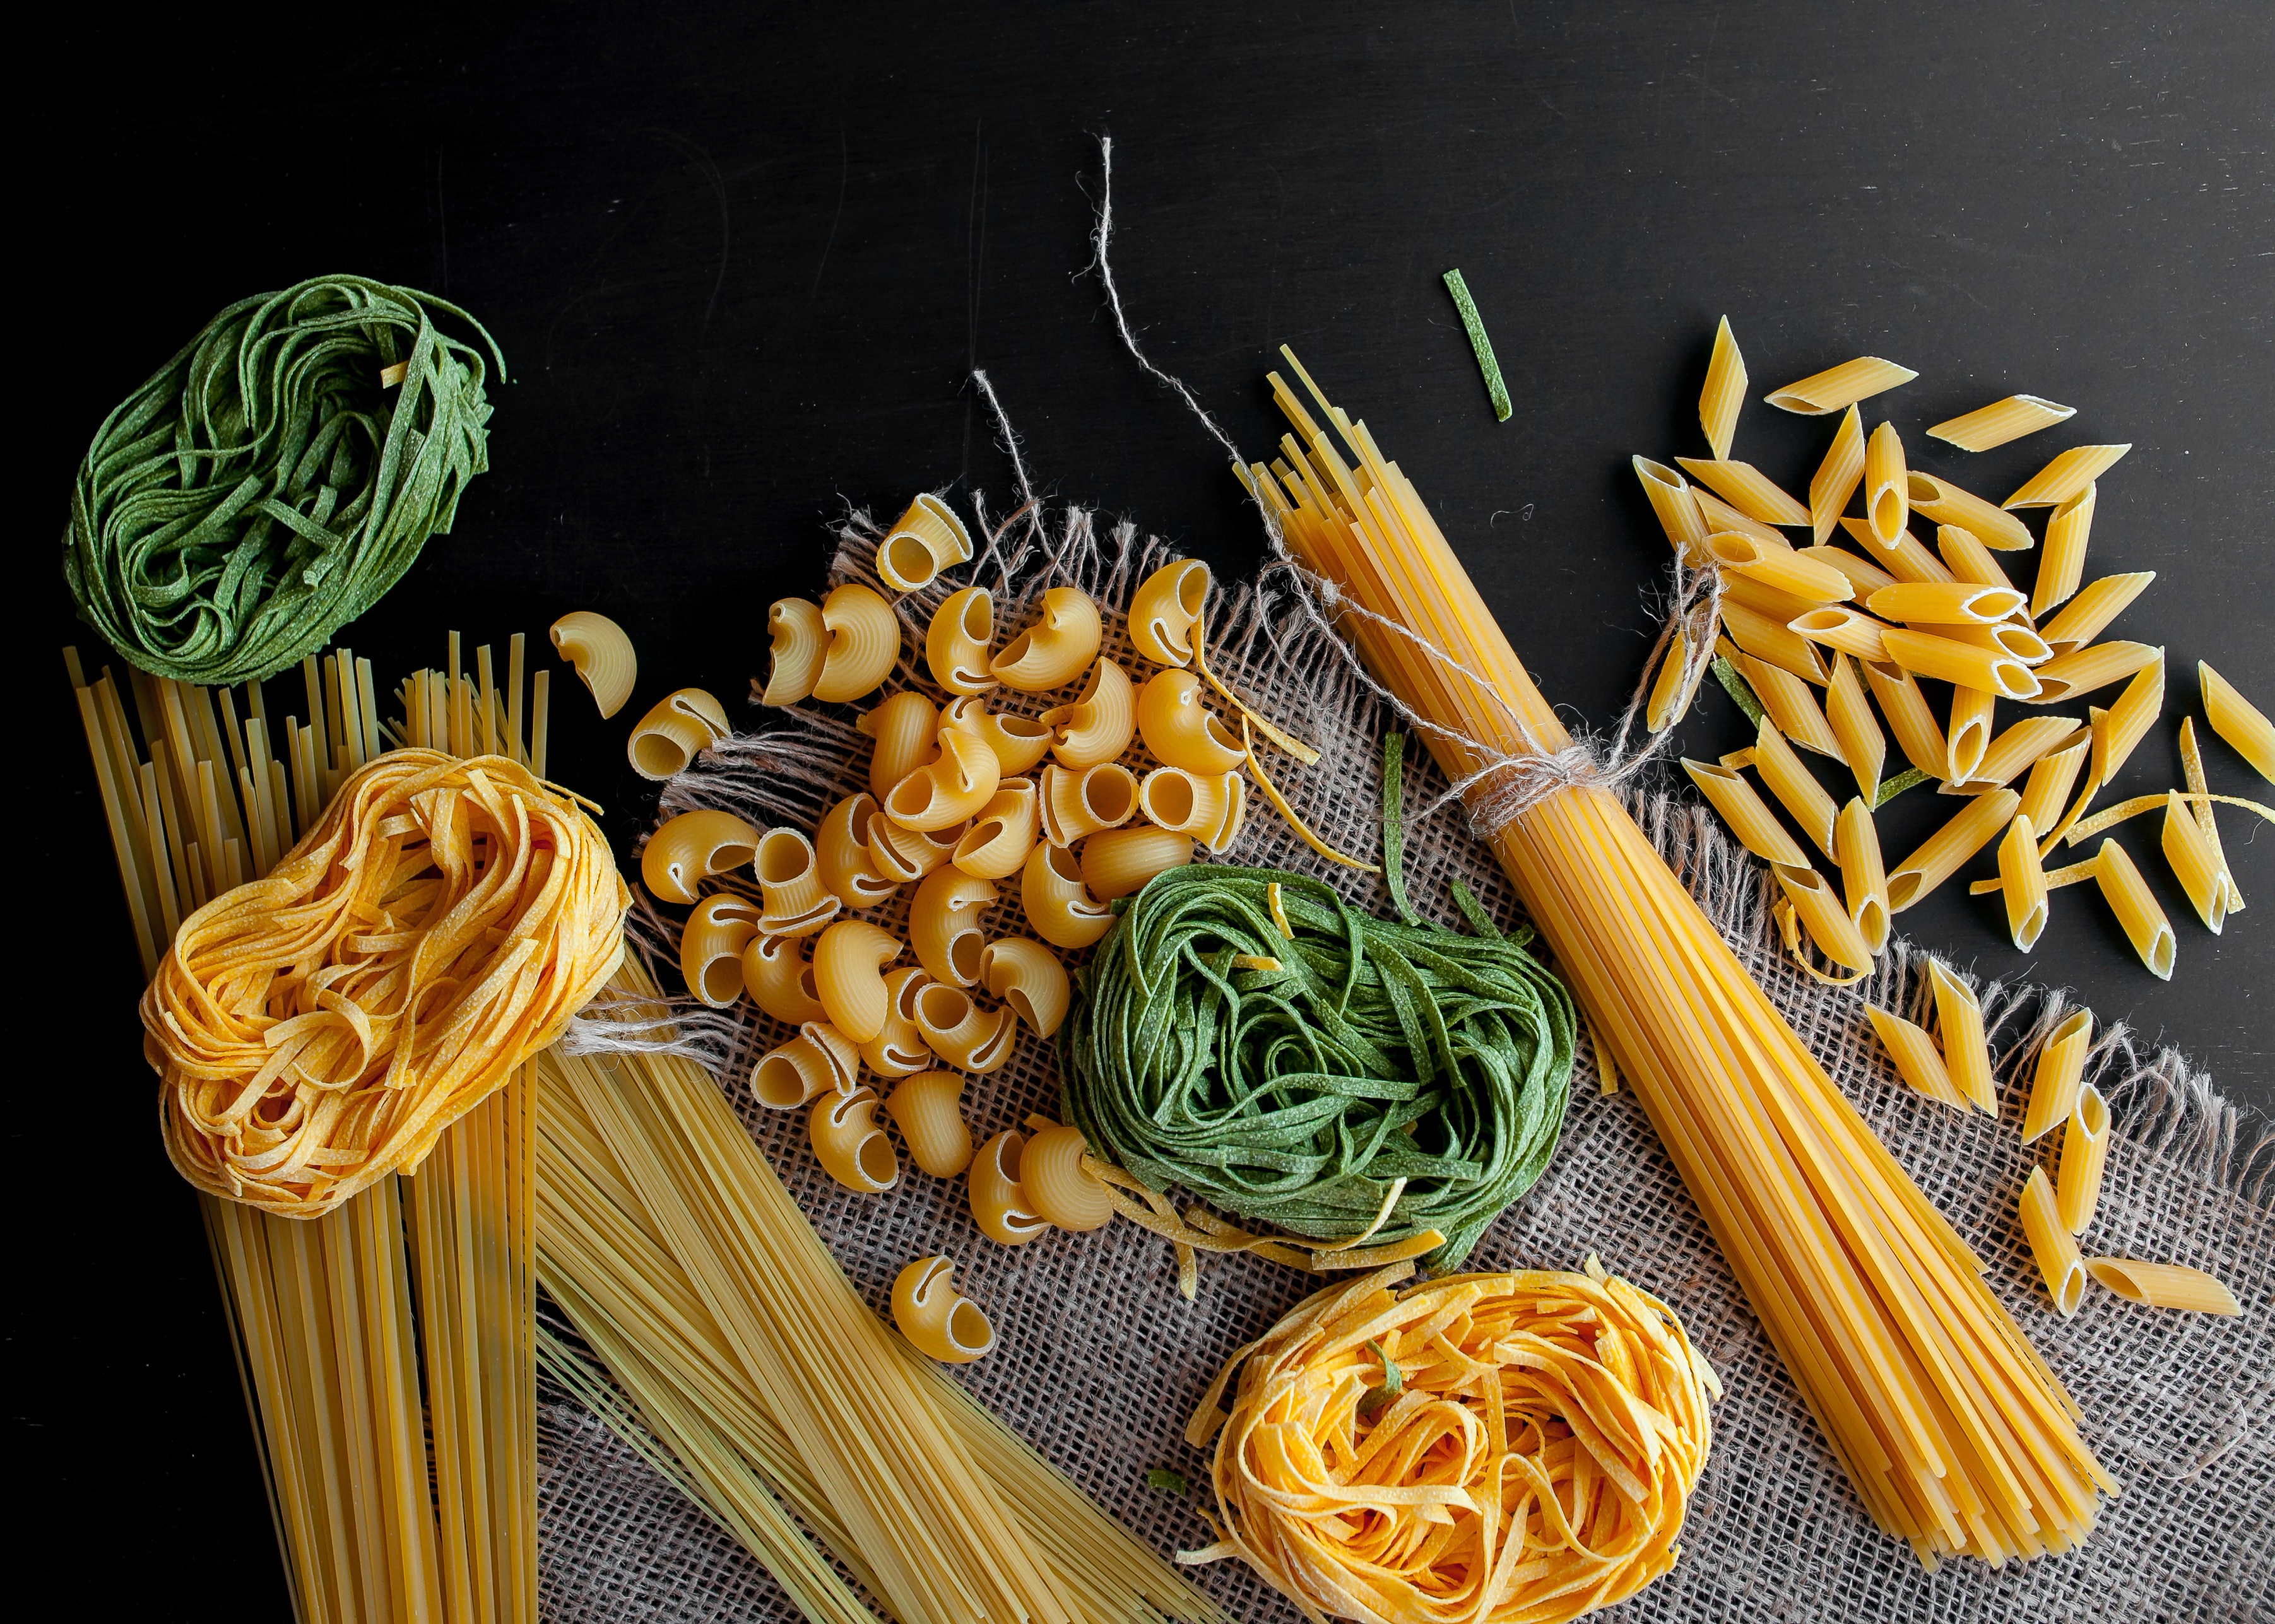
[849, 1146]
[996, 845]
[602, 655]
[925, 1108]
[1018, 742]
[1073, 804]
[998, 1201]
[962, 1034]
[1058, 904]
[1100, 723]
[1165, 608]
[690, 848]
[1063, 639]
[905, 727]
[899, 1049]
[779, 977]
[819, 1060]
[798, 903]
[1212, 810]
[840, 845]
[864, 641]
[1118, 862]
[949, 790]
[1061, 1190]
[959, 640]
[849, 965]
[800, 642]
[939, 1322]
[944, 925]
[711, 947]
[1028, 976]
[929, 539]
[670, 736]
[901, 854]
[1181, 731]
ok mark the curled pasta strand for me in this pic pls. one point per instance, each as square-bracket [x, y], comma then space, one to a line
[819, 1060]
[1100, 722]
[899, 1049]
[688, 850]
[1074, 805]
[779, 977]
[711, 947]
[800, 641]
[929, 539]
[903, 726]
[1018, 742]
[1063, 639]
[998, 1201]
[865, 640]
[1181, 731]
[841, 846]
[849, 1146]
[925, 1108]
[1058, 903]
[682, 725]
[944, 925]
[939, 1322]
[949, 790]
[958, 642]
[1028, 976]
[798, 903]
[996, 845]
[962, 1034]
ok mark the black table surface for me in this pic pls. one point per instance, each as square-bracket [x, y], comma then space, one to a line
[741, 260]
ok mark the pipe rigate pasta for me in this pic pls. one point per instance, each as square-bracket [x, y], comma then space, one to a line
[1061, 1190]
[841, 846]
[849, 1146]
[669, 735]
[864, 641]
[849, 964]
[1028, 977]
[960, 640]
[998, 1203]
[996, 845]
[899, 1047]
[905, 727]
[902, 855]
[1063, 639]
[924, 1106]
[963, 1034]
[1100, 722]
[1210, 810]
[602, 655]
[1119, 862]
[819, 1060]
[798, 903]
[949, 790]
[1165, 608]
[800, 642]
[711, 947]
[929, 539]
[939, 1321]
[1058, 904]
[1073, 804]
[1181, 731]
[688, 850]
[779, 976]
[1018, 742]
[944, 925]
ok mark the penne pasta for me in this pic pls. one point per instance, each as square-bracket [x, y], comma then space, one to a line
[2052, 776]
[2084, 1148]
[841, 850]
[2052, 1247]
[779, 977]
[1810, 579]
[2195, 863]
[1940, 501]
[925, 1108]
[711, 947]
[1910, 559]
[1855, 730]
[1100, 722]
[929, 539]
[1918, 734]
[2022, 879]
[1076, 804]
[1180, 730]
[1749, 816]
[2128, 720]
[1791, 705]
[2002, 420]
[949, 790]
[2241, 723]
[1725, 392]
[1838, 476]
[1774, 642]
[2085, 617]
[1852, 631]
[2129, 898]
[1945, 603]
[2192, 770]
[789, 869]
[2020, 746]
[1863, 878]
[799, 640]
[1966, 1052]
[1669, 696]
[1966, 559]
[963, 1034]
[1887, 505]
[2164, 1284]
[996, 845]
[1968, 736]
[2055, 1084]
[904, 729]
[849, 1146]
[2069, 475]
[1746, 489]
[1915, 1055]
[1057, 903]
[819, 1060]
[1824, 916]
[1796, 788]
[1864, 576]
[1822, 393]
[1210, 810]
[944, 926]
[1673, 501]
[959, 641]
[1047, 654]
[671, 735]
[2014, 638]
[1119, 862]
[865, 642]
[1720, 515]
[939, 1322]
[899, 1050]
[849, 964]
[1061, 1190]
[2085, 669]
[998, 1201]
[2062, 564]
[1028, 979]
[1773, 602]
[1961, 664]
[1943, 853]
[1165, 608]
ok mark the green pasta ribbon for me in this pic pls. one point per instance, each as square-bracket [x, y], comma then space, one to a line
[1474, 325]
[270, 483]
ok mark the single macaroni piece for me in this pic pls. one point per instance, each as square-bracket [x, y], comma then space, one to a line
[1063, 639]
[944, 925]
[1119, 862]
[1210, 810]
[1028, 976]
[899, 1049]
[996, 845]
[1994, 425]
[939, 1322]
[1165, 608]
[1940, 501]
[1964, 665]
[2069, 475]
[925, 1108]
[1968, 735]
[2085, 671]
[1838, 476]
[1914, 1053]
[849, 1146]
[1852, 631]
[1181, 731]
[1061, 1191]
[669, 736]
[2055, 1084]
[1855, 731]
[819, 1060]
[949, 790]
[865, 640]
[2022, 878]
[779, 976]
[998, 1201]
[1864, 879]
[2062, 564]
[905, 727]
[2195, 863]
[849, 964]
[1941, 854]
[2241, 723]
[929, 539]
[2052, 1247]
[1749, 816]
[1057, 903]
[841, 846]
[1746, 489]
[1966, 1051]
[2137, 909]
[1822, 915]
[1074, 805]
[1823, 393]
[688, 850]
[2084, 1148]
[1100, 723]
[959, 641]
[1018, 742]
[2087, 616]
[1887, 502]
[789, 877]
[962, 1034]
[711, 947]
[602, 655]
[1795, 786]
[1945, 603]
[901, 854]
[2164, 1284]
[1918, 734]
[800, 643]
[1676, 504]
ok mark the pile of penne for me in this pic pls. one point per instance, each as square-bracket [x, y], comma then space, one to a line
[1814, 637]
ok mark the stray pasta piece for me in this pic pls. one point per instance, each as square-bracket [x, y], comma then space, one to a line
[2069, 475]
[1942, 853]
[800, 642]
[711, 946]
[1098, 725]
[779, 976]
[939, 1321]
[1059, 1186]
[1057, 902]
[864, 641]
[1047, 654]
[1965, 1054]
[671, 735]
[929, 539]
[1725, 393]
[2052, 1247]
[1823, 393]
[1030, 980]
[905, 727]
[2002, 420]
[2085, 617]
[1165, 608]
[849, 965]
[819, 1060]
[899, 1049]
[944, 925]
[2195, 863]
[2164, 1284]
[1941, 502]
[1676, 504]
[1838, 476]
[690, 848]
[2241, 723]
[2084, 1149]
[798, 902]
[1915, 1055]
[2023, 880]
[1119, 862]
[1864, 880]
[2062, 564]
[602, 654]
[2054, 1085]
[960, 641]
[2137, 909]
[1746, 489]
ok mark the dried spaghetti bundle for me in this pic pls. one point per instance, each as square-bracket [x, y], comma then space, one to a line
[1483, 1447]
[316, 1030]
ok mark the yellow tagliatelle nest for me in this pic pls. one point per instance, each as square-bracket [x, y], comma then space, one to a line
[1534, 1465]
[316, 1029]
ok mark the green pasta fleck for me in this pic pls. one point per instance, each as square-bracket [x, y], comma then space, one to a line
[270, 482]
[1474, 326]
[1738, 688]
[1169, 1482]
[1891, 788]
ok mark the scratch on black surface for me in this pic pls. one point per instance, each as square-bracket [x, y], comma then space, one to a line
[442, 220]
[831, 241]
[718, 190]
[975, 255]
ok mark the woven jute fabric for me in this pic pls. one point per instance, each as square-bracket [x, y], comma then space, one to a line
[1101, 1361]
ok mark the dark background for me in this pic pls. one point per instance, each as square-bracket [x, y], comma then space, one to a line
[740, 258]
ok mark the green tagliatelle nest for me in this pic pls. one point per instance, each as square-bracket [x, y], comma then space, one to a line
[1295, 1096]
[275, 477]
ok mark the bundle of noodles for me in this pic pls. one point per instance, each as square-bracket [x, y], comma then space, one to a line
[1956, 1434]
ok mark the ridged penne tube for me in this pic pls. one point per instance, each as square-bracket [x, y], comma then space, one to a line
[926, 1109]
[1018, 742]
[2164, 1284]
[1119, 862]
[1100, 722]
[1852, 631]
[2016, 639]
[865, 642]
[996, 845]
[899, 1049]
[1076, 804]
[690, 848]
[1049, 653]
[602, 654]
[1967, 735]
[2128, 720]
[2052, 1247]
[905, 727]
[1966, 559]
[1822, 914]
[1966, 1052]
[1798, 573]
[1725, 391]
[2052, 776]
[1670, 697]
[849, 1146]
[1940, 501]
[2084, 1148]
[1746, 489]
[840, 848]
[1028, 979]
[2061, 565]
[1773, 642]
[1864, 578]
[2241, 723]
[1994, 425]
[1855, 730]
[779, 977]
[819, 1060]
[1795, 786]
[1918, 734]
[2136, 906]
[1672, 500]
[929, 539]
[1210, 810]
[960, 641]
[944, 925]
[1180, 730]
[1963, 664]
[849, 964]
[1063, 1192]
[963, 1034]
[1838, 476]
[1778, 604]
[1952, 604]
[1941, 855]
[902, 855]
[669, 735]
[998, 1201]
[1909, 560]
[1915, 1055]
[939, 1322]
[2192, 771]
[1887, 504]
[950, 791]
[2022, 880]
[798, 903]
[799, 643]
[1747, 815]
[711, 947]
[1863, 878]
[1824, 392]
[1165, 608]
[2020, 746]
[2195, 863]
[2069, 474]
[1057, 903]
[2060, 1069]
[2085, 617]
[1791, 704]
[1720, 517]
[2085, 671]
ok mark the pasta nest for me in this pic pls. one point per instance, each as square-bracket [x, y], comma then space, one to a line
[1535, 1463]
[316, 1029]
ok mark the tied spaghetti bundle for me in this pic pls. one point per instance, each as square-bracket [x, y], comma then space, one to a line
[316, 1030]
[1498, 1447]
[1956, 1434]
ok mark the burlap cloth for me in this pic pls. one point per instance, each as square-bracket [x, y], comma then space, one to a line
[1101, 1360]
